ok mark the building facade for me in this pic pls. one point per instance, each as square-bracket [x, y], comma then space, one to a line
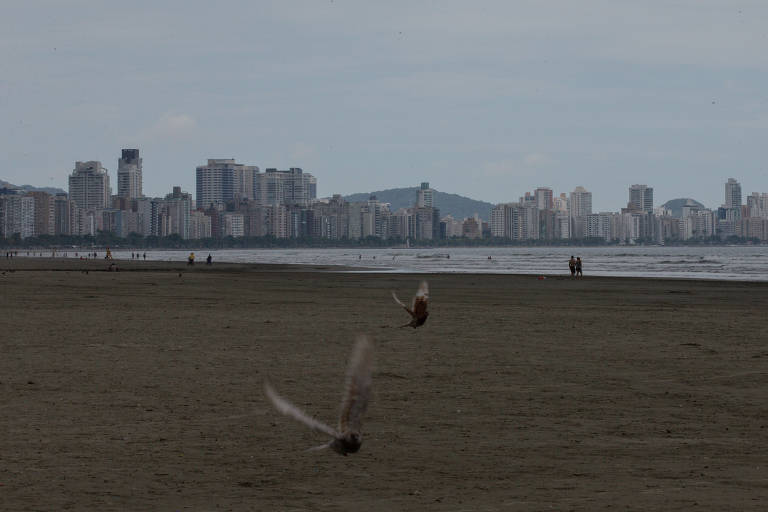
[129, 177]
[89, 186]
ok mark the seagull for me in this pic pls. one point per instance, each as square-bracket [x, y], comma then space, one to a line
[418, 309]
[348, 437]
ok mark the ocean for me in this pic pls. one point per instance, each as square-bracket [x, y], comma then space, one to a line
[740, 263]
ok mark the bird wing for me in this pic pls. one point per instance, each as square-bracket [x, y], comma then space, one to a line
[422, 295]
[358, 390]
[409, 310]
[287, 408]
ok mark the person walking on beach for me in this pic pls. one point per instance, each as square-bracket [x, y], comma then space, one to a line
[572, 266]
[209, 259]
[578, 267]
[191, 259]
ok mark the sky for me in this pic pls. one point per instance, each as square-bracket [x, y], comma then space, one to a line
[487, 99]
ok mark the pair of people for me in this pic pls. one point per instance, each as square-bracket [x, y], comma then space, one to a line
[574, 264]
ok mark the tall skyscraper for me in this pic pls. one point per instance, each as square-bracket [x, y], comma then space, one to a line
[129, 180]
[641, 198]
[732, 194]
[581, 206]
[222, 180]
[544, 199]
[425, 196]
[581, 202]
[89, 185]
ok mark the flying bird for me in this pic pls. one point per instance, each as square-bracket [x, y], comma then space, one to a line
[418, 309]
[348, 437]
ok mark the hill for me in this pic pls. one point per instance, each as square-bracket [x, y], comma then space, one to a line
[30, 188]
[455, 205]
[676, 205]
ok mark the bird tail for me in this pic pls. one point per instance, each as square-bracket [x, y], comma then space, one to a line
[320, 447]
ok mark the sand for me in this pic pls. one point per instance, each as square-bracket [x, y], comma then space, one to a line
[142, 390]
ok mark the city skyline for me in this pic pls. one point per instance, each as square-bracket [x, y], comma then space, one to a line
[642, 193]
[372, 96]
[237, 200]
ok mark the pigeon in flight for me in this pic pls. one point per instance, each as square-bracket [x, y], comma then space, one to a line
[348, 437]
[418, 309]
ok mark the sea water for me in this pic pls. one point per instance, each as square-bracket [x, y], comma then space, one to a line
[742, 263]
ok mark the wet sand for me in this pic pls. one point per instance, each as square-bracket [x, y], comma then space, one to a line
[142, 390]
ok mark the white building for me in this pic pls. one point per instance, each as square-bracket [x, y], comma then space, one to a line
[425, 196]
[199, 225]
[17, 216]
[233, 224]
[291, 187]
[129, 178]
[89, 185]
[580, 206]
[697, 223]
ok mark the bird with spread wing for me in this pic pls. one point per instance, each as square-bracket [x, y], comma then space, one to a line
[418, 309]
[348, 437]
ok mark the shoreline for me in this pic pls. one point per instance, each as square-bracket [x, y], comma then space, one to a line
[67, 264]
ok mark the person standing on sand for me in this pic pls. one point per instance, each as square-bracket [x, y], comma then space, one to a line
[572, 266]
[578, 267]
[191, 259]
[209, 260]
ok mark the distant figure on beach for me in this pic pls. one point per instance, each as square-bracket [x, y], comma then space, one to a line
[145, 256]
[348, 438]
[209, 260]
[109, 254]
[418, 309]
[578, 267]
[191, 259]
[572, 266]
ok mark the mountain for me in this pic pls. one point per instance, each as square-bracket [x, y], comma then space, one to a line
[455, 205]
[676, 205]
[30, 188]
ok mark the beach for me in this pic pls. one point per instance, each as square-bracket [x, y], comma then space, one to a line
[143, 390]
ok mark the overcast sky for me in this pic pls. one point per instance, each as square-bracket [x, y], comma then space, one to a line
[484, 99]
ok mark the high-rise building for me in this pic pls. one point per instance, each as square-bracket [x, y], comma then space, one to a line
[641, 198]
[581, 206]
[424, 196]
[544, 199]
[129, 180]
[222, 180]
[17, 215]
[732, 194]
[45, 212]
[89, 185]
[291, 187]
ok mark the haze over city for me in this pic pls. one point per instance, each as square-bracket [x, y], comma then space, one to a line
[487, 100]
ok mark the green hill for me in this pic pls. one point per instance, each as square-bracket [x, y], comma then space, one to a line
[30, 188]
[455, 205]
[676, 205]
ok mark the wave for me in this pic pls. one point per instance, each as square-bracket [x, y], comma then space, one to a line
[689, 262]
